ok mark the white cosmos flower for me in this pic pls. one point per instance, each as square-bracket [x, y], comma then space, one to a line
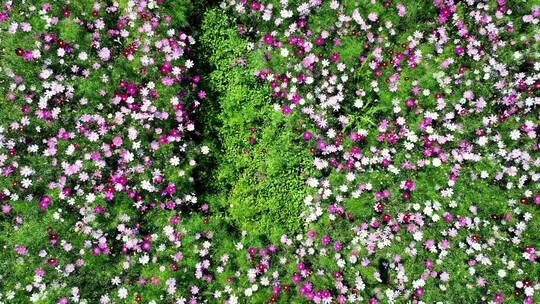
[122, 293]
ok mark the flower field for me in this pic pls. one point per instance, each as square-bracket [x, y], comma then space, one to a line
[272, 151]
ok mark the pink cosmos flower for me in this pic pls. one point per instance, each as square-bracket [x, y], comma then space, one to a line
[104, 54]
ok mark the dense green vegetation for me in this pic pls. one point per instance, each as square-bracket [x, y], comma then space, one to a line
[259, 180]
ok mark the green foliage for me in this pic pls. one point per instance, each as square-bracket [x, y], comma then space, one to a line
[260, 186]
